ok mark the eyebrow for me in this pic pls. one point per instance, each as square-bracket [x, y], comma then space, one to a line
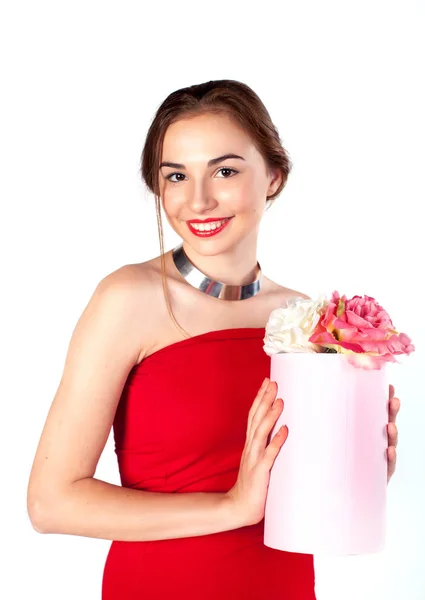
[211, 162]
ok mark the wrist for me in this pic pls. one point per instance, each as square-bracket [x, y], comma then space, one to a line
[231, 511]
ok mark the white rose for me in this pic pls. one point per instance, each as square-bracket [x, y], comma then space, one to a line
[289, 327]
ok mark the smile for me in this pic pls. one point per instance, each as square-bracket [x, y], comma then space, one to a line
[208, 229]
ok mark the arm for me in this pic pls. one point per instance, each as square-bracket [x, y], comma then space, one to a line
[63, 495]
[94, 508]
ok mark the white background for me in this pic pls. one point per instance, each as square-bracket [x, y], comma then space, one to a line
[81, 82]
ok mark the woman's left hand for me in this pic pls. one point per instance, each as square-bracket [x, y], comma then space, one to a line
[394, 407]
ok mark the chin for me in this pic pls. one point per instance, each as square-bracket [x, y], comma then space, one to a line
[213, 247]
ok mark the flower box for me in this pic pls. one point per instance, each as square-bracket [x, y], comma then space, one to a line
[328, 484]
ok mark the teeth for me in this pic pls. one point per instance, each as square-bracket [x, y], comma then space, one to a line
[207, 226]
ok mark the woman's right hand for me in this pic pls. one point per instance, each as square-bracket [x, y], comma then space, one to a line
[249, 493]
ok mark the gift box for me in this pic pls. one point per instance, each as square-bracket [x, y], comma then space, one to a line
[328, 485]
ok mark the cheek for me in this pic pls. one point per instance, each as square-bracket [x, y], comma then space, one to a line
[239, 194]
[254, 187]
[172, 201]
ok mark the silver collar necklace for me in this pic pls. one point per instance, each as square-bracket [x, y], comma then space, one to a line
[224, 291]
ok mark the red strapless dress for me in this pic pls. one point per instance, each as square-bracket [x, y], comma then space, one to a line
[180, 427]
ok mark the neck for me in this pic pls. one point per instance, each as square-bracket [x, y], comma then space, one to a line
[232, 268]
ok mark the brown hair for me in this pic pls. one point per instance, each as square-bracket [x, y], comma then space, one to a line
[228, 96]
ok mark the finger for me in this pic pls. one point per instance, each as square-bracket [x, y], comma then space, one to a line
[393, 409]
[263, 406]
[275, 445]
[261, 434]
[392, 461]
[391, 391]
[257, 401]
[392, 434]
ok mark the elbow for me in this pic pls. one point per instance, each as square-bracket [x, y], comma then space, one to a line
[36, 516]
[41, 514]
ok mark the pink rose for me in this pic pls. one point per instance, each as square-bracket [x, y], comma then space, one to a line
[360, 326]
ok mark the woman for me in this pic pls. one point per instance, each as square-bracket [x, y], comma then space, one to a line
[170, 353]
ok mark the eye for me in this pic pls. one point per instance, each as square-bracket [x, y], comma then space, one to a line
[171, 175]
[182, 174]
[226, 169]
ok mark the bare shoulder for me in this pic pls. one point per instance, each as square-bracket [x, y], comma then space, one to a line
[283, 293]
[137, 284]
[140, 285]
[133, 276]
[110, 330]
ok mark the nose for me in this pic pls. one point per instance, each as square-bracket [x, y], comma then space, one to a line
[200, 199]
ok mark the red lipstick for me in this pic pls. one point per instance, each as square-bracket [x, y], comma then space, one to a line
[207, 233]
[207, 220]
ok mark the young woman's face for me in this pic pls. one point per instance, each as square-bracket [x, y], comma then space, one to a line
[234, 188]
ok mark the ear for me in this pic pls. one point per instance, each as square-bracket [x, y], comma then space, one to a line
[275, 179]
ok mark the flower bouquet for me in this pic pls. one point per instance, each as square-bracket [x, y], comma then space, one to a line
[328, 484]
